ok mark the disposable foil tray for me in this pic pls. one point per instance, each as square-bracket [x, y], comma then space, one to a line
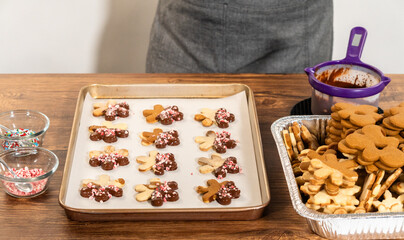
[341, 226]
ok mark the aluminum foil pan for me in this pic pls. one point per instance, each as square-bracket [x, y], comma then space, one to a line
[344, 226]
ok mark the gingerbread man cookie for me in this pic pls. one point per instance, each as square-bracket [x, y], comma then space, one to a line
[157, 162]
[148, 138]
[376, 148]
[220, 116]
[109, 158]
[165, 116]
[361, 115]
[111, 110]
[327, 172]
[390, 203]
[108, 132]
[103, 189]
[159, 138]
[220, 142]
[157, 192]
[222, 192]
[219, 166]
[342, 200]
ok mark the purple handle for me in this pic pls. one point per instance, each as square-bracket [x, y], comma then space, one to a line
[356, 43]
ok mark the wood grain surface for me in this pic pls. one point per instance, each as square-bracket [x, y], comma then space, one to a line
[56, 96]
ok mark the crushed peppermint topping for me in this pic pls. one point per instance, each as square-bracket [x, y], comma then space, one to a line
[38, 186]
[224, 192]
[222, 115]
[169, 115]
[106, 131]
[112, 157]
[114, 111]
[221, 139]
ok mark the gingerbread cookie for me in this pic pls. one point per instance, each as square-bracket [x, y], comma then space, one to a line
[390, 203]
[157, 162]
[361, 115]
[159, 138]
[209, 116]
[222, 192]
[109, 158]
[148, 138]
[103, 189]
[376, 148]
[206, 142]
[157, 192]
[111, 110]
[398, 187]
[220, 142]
[165, 116]
[345, 201]
[151, 114]
[219, 166]
[108, 132]
[327, 172]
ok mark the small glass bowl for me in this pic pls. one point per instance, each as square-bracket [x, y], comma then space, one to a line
[28, 128]
[27, 158]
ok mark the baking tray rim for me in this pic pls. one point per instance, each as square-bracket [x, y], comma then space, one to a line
[263, 180]
[294, 191]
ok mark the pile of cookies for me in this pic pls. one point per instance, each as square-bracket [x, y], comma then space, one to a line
[157, 191]
[355, 165]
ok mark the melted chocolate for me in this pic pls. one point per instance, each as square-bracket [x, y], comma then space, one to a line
[94, 162]
[223, 118]
[167, 138]
[109, 161]
[165, 192]
[122, 133]
[109, 135]
[223, 142]
[329, 77]
[227, 192]
[170, 115]
[229, 166]
[164, 162]
[100, 193]
[117, 110]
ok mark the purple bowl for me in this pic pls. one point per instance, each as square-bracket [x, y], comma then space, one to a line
[352, 60]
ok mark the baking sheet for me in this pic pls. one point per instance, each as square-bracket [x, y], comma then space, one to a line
[187, 175]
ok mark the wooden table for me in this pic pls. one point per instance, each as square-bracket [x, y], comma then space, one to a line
[56, 95]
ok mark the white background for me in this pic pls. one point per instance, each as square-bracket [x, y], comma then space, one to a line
[76, 36]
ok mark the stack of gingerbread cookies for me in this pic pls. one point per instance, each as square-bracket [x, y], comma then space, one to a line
[359, 168]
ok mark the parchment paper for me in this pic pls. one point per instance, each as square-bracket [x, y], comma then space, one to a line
[186, 154]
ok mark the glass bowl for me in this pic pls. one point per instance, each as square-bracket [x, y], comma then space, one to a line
[28, 163]
[25, 128]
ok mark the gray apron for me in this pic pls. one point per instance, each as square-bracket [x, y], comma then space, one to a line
[240, 36]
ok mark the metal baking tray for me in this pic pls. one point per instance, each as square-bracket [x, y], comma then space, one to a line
[164, 91]
[344, 226]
